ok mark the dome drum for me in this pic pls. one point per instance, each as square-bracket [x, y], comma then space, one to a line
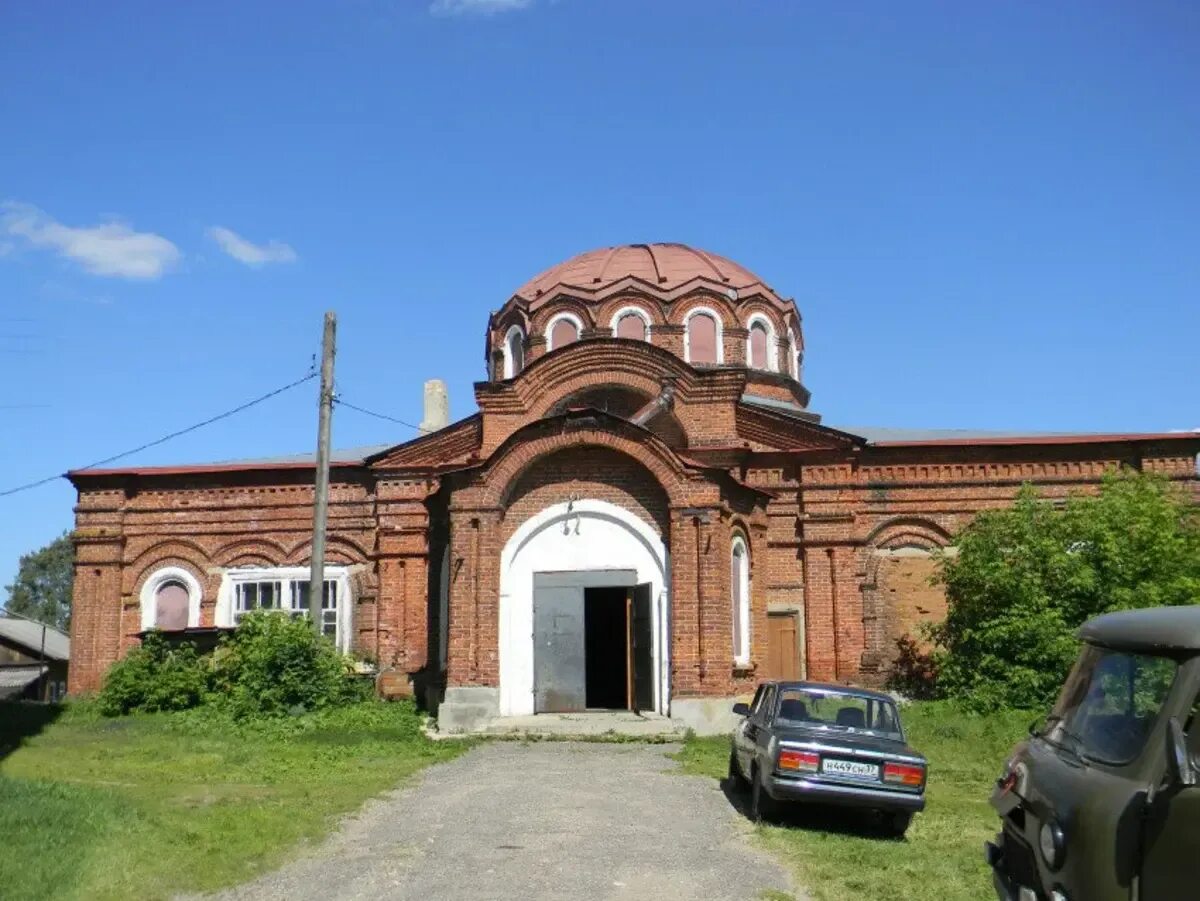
[699, 306]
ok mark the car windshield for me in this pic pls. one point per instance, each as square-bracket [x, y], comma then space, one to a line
[1109, 703]
[842, 711]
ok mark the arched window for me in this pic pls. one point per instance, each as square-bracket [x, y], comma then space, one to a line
[739, 582]
[514, 352]
[760, 344]
[171, 606]
[793, 359]
[631, 323]
[170, 600]
[562, 330]
[702, 338]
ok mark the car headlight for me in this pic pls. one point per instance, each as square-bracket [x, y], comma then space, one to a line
[1053, 844]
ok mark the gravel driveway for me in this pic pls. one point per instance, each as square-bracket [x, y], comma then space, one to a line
[540, 820]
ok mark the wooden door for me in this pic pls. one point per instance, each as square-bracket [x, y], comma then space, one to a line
[783, 647]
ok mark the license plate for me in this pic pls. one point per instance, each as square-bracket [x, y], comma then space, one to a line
[850, 768]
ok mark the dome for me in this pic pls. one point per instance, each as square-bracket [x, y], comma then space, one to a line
[661, 268]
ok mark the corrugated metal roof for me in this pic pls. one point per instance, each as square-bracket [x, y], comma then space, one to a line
[14, 679]
[29, 635]
[782, 406]
[343, 455]
[874, 434]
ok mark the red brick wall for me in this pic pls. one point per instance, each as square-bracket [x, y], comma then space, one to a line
[587, 472]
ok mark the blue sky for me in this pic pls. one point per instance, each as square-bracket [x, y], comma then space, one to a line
[986, 212]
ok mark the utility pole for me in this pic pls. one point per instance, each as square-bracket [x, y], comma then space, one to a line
[316, 581]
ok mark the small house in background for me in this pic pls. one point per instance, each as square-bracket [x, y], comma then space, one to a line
[33, 660]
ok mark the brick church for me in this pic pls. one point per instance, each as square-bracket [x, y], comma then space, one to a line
[644, 513]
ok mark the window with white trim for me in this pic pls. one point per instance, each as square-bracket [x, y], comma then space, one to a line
[563, 329]
[631, 323]
[702, 338]
[739, 583]
[761, 350]
[514, 352]
[170, 599]
[286, 590]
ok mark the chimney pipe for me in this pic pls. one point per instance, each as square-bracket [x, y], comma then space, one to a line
[437, 407]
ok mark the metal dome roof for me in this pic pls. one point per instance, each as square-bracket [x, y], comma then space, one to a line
[661, 268]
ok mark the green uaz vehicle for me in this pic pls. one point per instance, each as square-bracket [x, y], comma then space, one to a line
[1101, 802]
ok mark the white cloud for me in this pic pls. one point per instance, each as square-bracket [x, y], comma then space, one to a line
[249, 253]
[111, 248]
[476, 7]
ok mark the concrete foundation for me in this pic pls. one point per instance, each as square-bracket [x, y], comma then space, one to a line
[467, 709]
[705, 716]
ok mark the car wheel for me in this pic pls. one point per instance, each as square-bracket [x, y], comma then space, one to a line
[763, 808]
[896, 824]
[736, 779]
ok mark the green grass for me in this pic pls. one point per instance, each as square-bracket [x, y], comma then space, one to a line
[837, 856]
[151, 805]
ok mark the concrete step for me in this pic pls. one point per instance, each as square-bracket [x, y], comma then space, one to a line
[592, 724]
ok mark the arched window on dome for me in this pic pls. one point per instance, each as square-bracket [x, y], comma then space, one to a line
[514, 352]
[793, 356]
[702, 338]
[562, 330]
[739, 586]
[760, 344]
[631, 323]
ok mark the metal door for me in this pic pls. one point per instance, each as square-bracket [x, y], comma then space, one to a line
[559, 674]
[641, 640]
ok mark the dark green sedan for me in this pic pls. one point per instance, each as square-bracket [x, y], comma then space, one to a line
[810, 742]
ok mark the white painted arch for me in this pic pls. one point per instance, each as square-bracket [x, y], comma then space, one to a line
[581, 535]
[147, 597]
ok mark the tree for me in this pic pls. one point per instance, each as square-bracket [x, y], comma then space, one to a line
[1022, 580]
[42, 588]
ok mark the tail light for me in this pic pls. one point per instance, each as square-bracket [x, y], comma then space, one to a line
[799, 761]
[903, 773]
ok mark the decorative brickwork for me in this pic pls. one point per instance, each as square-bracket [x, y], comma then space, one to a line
[838, 530]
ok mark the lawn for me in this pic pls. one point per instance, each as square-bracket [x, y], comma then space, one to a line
[837, 856]
[150, 805]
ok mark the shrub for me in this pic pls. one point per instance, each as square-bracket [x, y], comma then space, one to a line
[155, 676]
[272, 665]
[914, 671]
[1024, 579]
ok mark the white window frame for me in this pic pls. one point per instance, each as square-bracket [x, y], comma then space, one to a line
[772, 348]
[630, 311]
[687, 333]
[741, 655]
[510, 369]
[793, 363]
[148, 597]
[286, 575]
[555, 319]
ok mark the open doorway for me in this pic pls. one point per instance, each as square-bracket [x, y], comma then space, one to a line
[593, 643]
[606, 654]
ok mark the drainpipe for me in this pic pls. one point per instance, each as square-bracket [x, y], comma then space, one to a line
[659, 404]
[700, 660]
[833, 588]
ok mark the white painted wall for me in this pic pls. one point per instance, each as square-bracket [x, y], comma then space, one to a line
[570, 537]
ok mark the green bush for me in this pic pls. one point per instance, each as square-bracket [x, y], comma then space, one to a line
[1024, 579]
[155, 676]
[273, 665]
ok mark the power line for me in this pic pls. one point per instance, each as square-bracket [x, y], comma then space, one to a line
[341, 403]
[166, 438]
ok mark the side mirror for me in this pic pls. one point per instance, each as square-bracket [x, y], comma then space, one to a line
[741, 708]
[1179, 763]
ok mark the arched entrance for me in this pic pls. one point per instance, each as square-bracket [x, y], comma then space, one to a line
[582, 542]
